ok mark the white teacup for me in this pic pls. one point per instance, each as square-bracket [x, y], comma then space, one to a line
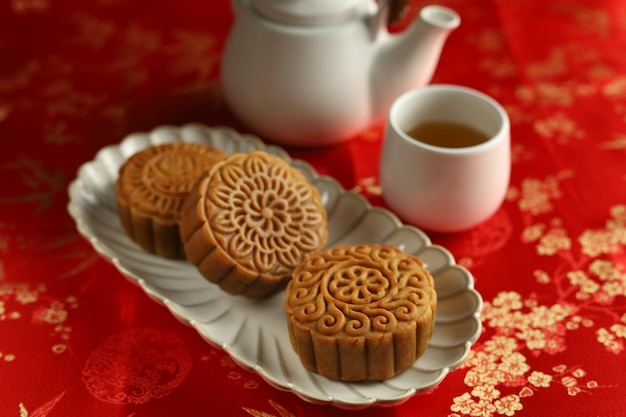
[445, 189]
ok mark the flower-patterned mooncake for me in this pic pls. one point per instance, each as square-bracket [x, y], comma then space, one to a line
[360, 313]
[250, 221]
[151, 188]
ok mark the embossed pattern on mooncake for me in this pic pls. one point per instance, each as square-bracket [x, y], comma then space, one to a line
[363, 312]
[151, 188]
[250, 221]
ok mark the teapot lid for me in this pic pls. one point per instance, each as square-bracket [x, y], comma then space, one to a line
[306, 11]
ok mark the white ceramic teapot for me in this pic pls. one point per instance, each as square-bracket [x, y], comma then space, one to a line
[316, 72]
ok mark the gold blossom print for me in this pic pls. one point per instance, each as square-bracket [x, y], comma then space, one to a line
[136, 366]
[616, 88]
[554, 65]
[42, 184]
[491, 42]
[589, 283]
[43, 410]
[499, 376]
[535, 196]
[361, 312]
[369, 186]
[24, 7]
[550, 239]
[21, 301]
[608, 240]
[282, 411]
[558, 127]
[591, 20]
[555, 94]
[261, 215]
[194, 53]
[617, 143]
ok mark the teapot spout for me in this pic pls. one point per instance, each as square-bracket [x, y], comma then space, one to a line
[408, 60]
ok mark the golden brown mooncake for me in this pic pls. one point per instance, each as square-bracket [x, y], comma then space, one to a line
[151, 187]
[360, 313]
[250, 221]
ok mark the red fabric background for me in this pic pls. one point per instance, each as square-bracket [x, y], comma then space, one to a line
[76, 76]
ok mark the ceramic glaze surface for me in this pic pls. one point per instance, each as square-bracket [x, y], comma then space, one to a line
[307, 11]
[445, 189]
[316, 84]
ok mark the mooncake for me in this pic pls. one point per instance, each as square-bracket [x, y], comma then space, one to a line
[249, 221]
[150, 190]
[360, 313]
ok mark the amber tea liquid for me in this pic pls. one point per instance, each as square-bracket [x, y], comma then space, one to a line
[447, 134]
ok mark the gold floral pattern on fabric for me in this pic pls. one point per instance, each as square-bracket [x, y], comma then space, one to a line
[558, 127]
[609, 239]
[264, 213]
[41, 183]
[616, 88]
[282, 411]
[109, 68]
[43, 410]
[21, 301]
[498, 365]
[591, 19]
[236, 377]
[586, 290]
[536, 196]
[368, 186]
[136, 366]
[550, 238]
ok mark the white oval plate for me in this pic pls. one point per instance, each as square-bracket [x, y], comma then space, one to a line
[254, 332]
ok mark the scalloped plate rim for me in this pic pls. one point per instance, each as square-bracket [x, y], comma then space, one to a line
[109, 254]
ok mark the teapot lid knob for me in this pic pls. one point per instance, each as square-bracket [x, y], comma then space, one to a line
[306, 11]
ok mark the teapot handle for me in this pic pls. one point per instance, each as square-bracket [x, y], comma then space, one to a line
[397, 10]
[389, 13]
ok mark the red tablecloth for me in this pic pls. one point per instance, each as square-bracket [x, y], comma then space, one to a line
[550, 265]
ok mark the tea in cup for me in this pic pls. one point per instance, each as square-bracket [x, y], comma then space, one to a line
[446, 159]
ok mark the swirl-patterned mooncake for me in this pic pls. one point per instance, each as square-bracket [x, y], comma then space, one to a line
[151, 188]
[250, 221]
[360, 313]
